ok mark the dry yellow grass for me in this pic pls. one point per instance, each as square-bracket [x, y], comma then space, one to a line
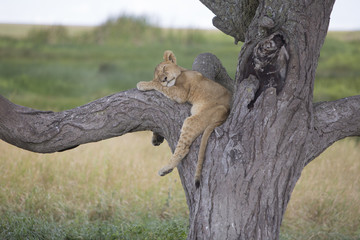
[117, 178]
[326, 199]
[97, 180]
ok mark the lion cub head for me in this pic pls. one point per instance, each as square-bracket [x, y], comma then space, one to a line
[167, 71]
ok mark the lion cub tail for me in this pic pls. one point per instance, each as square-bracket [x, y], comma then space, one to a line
[204, 139]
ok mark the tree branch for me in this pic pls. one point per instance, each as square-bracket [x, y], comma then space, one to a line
[111, 116]
[333, 121]
[211, 67]
[232, 17]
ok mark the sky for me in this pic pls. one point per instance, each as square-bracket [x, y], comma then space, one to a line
[166, 13]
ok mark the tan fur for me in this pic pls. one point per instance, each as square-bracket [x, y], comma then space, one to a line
[210, 106]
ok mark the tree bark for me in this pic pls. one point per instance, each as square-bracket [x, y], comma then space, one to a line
[111, 116]
[232, 17]
[255, 158]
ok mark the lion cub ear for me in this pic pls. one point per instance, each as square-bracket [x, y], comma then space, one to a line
[169, 56]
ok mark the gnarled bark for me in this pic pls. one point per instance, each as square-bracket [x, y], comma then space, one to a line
[334, 121]
[108, 117]
[233, 17]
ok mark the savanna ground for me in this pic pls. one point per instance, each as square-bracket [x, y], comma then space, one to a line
[110, 189]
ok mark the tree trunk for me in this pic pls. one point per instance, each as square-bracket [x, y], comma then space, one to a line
[255, 158]
[270, 132]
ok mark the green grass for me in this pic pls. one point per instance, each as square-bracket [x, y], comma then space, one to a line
[107, 190]
[64, 75]
[61, 75]
[19, 226]
[19, 31]
[338, 73]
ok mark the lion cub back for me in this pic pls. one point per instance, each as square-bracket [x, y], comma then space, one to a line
[205, 90]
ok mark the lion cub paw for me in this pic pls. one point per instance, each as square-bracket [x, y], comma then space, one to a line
[165, 170]
[157, 139]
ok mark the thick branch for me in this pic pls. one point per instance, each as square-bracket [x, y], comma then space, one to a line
[232, 17]
[211, 67]
[334, 121]
[111, 116]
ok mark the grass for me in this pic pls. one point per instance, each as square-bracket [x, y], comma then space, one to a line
[325, 203]
[96, 188]
[338, 72]
[60, 76]
[25, 227]
[19, 31]
[110, 189]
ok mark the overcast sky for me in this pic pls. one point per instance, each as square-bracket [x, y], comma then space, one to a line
[166, 13]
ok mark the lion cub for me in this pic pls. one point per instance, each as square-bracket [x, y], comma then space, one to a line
[210, 106]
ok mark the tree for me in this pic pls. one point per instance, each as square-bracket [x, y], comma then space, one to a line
[255, 158]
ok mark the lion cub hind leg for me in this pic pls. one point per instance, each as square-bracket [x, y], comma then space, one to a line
[218, 115]
[193, 126]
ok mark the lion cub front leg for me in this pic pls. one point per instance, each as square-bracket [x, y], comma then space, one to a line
[190, 130]
[145, 86]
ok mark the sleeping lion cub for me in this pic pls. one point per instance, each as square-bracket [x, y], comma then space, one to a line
[210, 106]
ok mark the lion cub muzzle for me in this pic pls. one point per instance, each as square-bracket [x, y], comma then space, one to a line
[168, 80]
